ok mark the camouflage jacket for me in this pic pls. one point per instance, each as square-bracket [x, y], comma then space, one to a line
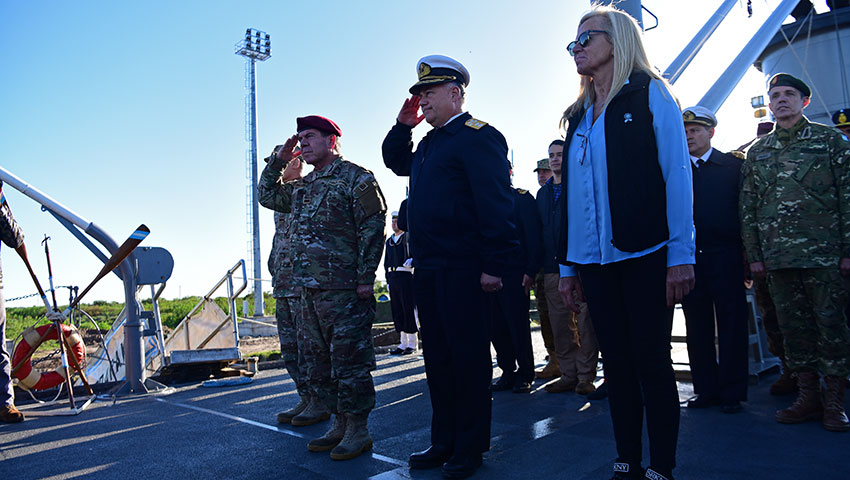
[10, 233]
[338, 217]
[795, 198]
[280, 265]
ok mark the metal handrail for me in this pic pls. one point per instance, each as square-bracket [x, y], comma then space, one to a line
[231, 300]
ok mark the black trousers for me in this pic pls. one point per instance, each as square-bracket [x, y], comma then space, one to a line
[453, 323]
[627, 302]
[719, 296]
[401, 301]
[511, 328]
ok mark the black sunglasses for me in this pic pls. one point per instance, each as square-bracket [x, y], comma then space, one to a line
[583, 40]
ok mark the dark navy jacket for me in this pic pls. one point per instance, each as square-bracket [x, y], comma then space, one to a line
[716, 187]
[550, 219]
[529, 229]
[460, 207]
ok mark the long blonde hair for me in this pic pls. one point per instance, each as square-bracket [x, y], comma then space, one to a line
[624, 34]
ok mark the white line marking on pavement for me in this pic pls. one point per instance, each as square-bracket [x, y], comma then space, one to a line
[380, 458]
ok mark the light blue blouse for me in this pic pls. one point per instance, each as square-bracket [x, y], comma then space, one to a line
[589, 214]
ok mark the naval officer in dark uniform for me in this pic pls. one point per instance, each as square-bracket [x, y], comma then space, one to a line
[462, 239]
[719, 297]
[511, 328]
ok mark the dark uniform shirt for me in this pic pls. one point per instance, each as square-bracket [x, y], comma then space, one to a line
[460, 206]
[716, 186]
[528, 227]
[10, 233]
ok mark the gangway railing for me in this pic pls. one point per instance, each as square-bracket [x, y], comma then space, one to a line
[182, 346]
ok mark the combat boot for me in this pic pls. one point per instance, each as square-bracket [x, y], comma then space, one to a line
[808, 404]
[315, 412]
[552, 369]
[834, 418]
[331, 438]
[785, 384]
[356, 439]
[286, 416]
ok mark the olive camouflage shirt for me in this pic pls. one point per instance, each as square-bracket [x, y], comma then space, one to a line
[279, 263]
[10, 233]
[795, 198]
[336, 236]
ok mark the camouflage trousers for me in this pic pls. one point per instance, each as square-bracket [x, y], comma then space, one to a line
[335, 339]
[810, 306]
[775, 342]
[287, 313]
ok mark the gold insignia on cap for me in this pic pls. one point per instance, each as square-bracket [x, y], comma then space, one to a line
[424, 70]
[842, 118]
[775, 79]
[476, 124]
[688, 116]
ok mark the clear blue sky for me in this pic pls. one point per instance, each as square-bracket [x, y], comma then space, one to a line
[134, 112]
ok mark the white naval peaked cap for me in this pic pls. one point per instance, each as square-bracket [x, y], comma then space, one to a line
[437, 69]
[699, 114]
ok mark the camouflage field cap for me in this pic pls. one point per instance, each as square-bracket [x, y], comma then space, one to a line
[543, 165]
[437, 69]
[787, 80]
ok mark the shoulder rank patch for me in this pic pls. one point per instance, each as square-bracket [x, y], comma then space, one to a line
[369, 196]
[521, 191]
[476, 124]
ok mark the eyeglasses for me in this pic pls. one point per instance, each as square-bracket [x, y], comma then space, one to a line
[583, 40]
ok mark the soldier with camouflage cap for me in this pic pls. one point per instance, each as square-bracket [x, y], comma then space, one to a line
[336, 242]
[287, 311]
[795, 224]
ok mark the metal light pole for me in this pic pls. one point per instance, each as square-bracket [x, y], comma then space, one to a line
[255, 46]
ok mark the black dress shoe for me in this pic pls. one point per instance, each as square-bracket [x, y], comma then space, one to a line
[433, 457]
[461, 466]
[702, 401]
[600, 393]
[502, 384]
[408, 351]
[397, 351]
[731, 407]
[522, 387]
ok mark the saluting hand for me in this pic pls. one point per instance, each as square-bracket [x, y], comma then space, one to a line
[680, 281]
[409, 114]
[283, 153]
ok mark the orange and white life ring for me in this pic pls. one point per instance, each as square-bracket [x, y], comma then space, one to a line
[33, 379]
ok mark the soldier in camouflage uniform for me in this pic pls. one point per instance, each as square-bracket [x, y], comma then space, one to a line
[336, 242]
[795, 224]
[287, 312]
[12, 236]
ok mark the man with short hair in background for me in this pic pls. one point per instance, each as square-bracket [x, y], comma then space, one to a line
[551, 369]
[575, 340]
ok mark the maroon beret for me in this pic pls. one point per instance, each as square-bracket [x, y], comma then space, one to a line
[319, 123]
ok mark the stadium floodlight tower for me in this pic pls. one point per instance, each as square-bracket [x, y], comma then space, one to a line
[255, 46]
